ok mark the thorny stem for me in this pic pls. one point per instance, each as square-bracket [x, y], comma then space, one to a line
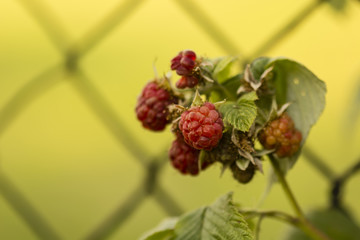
[304, 224]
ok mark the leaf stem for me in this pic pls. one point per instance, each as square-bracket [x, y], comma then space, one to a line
[304, 224]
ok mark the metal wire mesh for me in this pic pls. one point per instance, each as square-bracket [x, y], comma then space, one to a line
[73, 53]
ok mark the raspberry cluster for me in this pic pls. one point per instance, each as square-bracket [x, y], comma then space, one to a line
[201, 126]
[185, 158]
[281, 135]
[202, 136]
[184, 64]
[152, 106]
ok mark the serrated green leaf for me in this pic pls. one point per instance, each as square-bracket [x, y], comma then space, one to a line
[242, 114]
[332, 222]
[222, 69]
[219, 221]
[296, 84]
[164, 231]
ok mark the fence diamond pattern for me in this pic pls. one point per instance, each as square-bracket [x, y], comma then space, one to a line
[72, 53]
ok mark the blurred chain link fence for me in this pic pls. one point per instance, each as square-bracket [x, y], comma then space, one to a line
[73, 52]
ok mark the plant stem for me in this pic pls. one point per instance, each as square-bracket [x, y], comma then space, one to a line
[286, 187]
[304, 224]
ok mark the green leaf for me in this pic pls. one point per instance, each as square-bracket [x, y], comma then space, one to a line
[164, 231]
[222, 69]
[332, 222]
[241, 114]
[296, 84]
[221, 220]
[251, 96]
[258, 66]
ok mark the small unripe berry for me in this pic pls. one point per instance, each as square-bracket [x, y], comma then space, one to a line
[243, 176]
[281, 135]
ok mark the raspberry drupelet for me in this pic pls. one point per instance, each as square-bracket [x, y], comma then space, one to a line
[151, 108]
[201, 126]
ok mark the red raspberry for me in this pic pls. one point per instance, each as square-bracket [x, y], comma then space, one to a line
[282, 136]
[187, 81]
[151, 108]
[184, 63]
[185, 158]
[201, 126]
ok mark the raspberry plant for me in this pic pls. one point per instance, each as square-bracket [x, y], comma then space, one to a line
[236, 120]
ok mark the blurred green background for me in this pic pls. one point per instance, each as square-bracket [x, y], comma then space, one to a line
[67, 134]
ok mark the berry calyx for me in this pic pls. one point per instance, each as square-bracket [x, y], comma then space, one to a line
[225, 152]
[202, 126]
[184, 63]
[187, 82]
[152, 106]
[185, 158]
[281, 135]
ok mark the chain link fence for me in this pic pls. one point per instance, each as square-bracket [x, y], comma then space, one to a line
[72, 54]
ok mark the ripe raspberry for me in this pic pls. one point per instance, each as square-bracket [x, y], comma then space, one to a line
[184, 63]
[243, 176]
[201, 126]
[185, 158]
[187, 81]
[151, 108]
[282, 136]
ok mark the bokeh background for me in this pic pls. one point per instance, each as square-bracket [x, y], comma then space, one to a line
[74, 161]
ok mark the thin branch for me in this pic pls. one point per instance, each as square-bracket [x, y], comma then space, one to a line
[304, 224]
[318, 163]
[208, 25]
[272, 214]
[287, 29]
[286, 187]
[26, 210]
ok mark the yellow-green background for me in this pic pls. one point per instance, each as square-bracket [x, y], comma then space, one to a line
[73, 170]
